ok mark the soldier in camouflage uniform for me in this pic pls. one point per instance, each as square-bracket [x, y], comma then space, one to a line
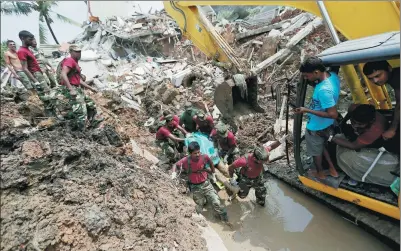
[168, 138]
[225, 141]
[43, 63]
[32, 69]
[198, 182]
[251, 172]
[71, 99]
[186, 118]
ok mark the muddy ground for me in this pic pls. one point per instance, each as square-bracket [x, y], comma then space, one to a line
[64, 190]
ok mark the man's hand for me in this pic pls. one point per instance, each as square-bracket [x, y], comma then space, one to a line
[188, 135]
[73, 93]
[233, 182]
[214, 178]
[300, 110]
[389, 134]
[225, 159]
[173, 175]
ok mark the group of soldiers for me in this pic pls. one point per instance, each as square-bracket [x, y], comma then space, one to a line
[199, 167]
[60, 90]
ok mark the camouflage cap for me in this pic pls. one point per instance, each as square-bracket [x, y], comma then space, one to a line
[168, 118]
[222, 130]
[260, 153]
[74, 47]
[201, 116]
[187, 105]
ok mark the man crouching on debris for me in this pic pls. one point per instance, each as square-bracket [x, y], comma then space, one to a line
[204, 124]
[203, 191]
[225, 140]
[71, 87]
[167, 137]
[251, 172]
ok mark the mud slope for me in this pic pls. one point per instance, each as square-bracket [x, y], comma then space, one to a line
[64, 191]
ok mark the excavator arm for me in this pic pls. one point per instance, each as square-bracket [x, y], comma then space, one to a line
[354, 19]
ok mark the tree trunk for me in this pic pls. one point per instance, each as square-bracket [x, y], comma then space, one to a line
[51, 30]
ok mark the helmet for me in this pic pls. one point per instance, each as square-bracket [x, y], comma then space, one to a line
[260, 153]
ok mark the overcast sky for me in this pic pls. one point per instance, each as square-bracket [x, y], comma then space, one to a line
[76, 10]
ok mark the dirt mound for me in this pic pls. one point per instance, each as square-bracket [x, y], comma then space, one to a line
[62, 190]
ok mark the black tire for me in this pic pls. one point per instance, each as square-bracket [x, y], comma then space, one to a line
[301, 93]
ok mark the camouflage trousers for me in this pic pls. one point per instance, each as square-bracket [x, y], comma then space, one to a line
[49, 76]
[25, 80]
[258, 184]
[77, 110]
[169, 148]
[205, 193]
[43, 92]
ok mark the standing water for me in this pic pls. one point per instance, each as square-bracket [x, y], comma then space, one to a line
[290, 221]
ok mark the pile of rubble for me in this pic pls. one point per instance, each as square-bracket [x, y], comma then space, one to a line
[103, 190]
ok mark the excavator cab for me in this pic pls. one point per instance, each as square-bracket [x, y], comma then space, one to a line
[352, 53]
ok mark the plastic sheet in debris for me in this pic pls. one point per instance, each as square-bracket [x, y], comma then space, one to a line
[206, 146]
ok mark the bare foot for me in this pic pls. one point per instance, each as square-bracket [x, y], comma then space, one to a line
[333, 172]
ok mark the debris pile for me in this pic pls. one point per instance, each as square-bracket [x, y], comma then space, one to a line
[102, 190]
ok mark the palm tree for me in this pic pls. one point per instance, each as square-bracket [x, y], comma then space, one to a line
[44, 8]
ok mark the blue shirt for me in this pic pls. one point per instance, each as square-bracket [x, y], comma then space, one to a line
[325, 95]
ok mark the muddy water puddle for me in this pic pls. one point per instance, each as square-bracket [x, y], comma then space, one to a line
[290, 221]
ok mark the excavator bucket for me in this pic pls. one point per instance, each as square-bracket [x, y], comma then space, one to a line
[233, 100]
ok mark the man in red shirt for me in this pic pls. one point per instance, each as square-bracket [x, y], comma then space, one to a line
[250, 174]
[200, 186]
[175, 117]
[365, 131]
[166, 138]
[225, 141]
[82, 108]
[204, 123]
[31, 68]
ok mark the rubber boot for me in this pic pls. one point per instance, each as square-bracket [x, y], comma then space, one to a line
[252, 85]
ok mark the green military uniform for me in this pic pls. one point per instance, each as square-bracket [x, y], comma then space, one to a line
[77, 110]
[42, 61]
[222, 130]
[44, 94]
[25, 80]
[186, 118]
[169, 146]
[245, 183]
[205, 193]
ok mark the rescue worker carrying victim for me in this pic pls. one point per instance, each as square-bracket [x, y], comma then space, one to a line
[187, 116]
[81, 107]
[204, 123]
[251, 172]
[199, 184]
[166, 139]
[225, 141]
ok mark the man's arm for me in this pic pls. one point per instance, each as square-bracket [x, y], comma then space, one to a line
[182, 130]
[211, 165]
[64, 77]
[9, 66]
[232, 167]
[27, 72]
[395, 123]
[274, 145]
[330, 113]
[84, 84]
[171, 136]
[356, 145]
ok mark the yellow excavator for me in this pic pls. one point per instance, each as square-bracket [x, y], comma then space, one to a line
[353, 19]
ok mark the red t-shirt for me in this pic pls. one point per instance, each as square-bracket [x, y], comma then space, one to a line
[195, 177]
[24, 54]
[74, 78]
[226, 143]
[254, 169]
[175, 118]
[208, 123]
[165, 131]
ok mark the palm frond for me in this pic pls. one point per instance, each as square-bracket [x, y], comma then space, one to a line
[15, 7]
[67, 20]
[43, 33]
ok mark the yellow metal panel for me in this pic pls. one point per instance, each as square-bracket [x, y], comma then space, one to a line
[360, 200]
